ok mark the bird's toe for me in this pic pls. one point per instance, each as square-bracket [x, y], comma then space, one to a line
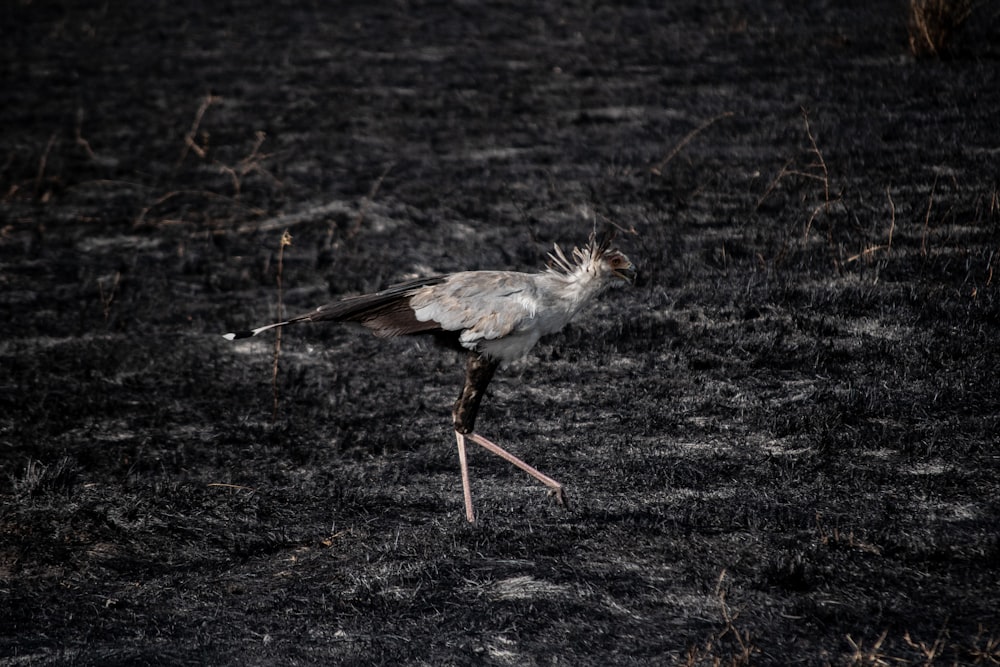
[560, 496]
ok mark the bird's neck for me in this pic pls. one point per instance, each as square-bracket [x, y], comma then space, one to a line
[575, 288]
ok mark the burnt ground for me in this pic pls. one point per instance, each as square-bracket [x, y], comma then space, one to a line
[781, 448]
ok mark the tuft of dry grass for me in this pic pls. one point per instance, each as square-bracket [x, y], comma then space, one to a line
[870, 250]
[815, 170]
[730, 647]
[933, 23]
[870, 656]
[984, 649]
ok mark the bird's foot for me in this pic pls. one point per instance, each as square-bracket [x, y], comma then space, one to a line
[560, 496]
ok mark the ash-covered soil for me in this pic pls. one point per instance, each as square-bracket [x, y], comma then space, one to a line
[780, 449]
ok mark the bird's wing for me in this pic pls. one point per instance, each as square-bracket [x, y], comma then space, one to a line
[386, 312]
[483, 305]
[476, 305]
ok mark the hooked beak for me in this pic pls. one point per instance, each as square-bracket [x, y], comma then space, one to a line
[628, 273]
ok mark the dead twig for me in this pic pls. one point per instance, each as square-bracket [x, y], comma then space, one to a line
[249, 164]
[189, 139]
[661, 165]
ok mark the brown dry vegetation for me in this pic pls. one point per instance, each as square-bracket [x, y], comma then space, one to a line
[933, 24]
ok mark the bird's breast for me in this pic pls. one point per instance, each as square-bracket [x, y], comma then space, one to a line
[511, 347]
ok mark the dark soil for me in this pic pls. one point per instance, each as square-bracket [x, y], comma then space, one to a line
[781, 449]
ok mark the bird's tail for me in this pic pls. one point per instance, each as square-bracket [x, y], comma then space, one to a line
[385, 312]
[236, 335]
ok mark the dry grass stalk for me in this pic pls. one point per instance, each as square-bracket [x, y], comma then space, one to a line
[927, 220]
[78, 136]
[661, 165]
[189, 138]
[887, 246]
[823, 176]
[608, 222]
[808, 172]
[40, 174]
[286, 239]
[234, 487]
[249, 164]
[815, 170]
[933, 23]
[870, 657]
[989, 652]
[837, 538]
[929, 651]
[738, 655]
[108, 297]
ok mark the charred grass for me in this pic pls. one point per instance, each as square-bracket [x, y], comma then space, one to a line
[779, 450]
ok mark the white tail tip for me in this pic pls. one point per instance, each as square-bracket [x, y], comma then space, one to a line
[236, 335]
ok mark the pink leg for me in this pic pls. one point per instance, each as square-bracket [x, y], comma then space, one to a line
[469, 514]
[556, 487]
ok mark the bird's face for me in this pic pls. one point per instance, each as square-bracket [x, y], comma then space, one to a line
[620, 269]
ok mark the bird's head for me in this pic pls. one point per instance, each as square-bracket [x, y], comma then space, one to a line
[619, 267]
[598, 259]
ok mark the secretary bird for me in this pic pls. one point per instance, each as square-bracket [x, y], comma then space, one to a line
[496, 316]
